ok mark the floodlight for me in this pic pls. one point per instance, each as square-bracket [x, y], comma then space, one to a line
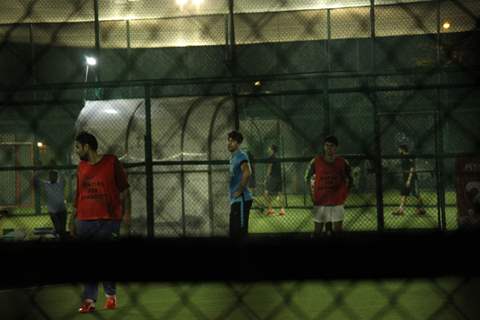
[91, 61]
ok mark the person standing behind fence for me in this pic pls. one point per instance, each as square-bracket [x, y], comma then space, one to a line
[55, 193]
[273, 181]
[330, 187]
[102, 201]
[240, 196]
[409, 182]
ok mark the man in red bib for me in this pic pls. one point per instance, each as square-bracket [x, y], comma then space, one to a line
[330, 178]
[102, 201]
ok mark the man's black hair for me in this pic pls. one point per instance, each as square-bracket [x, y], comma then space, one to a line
[235, 135]
[87, 138]
[403, 147]
[331, 139]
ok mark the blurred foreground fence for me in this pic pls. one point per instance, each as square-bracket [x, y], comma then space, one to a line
[166, 80]
[351, 276]
[163, 84]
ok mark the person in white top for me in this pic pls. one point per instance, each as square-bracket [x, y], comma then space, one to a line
[54, 190]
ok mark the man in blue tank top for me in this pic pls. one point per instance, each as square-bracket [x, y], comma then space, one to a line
[240, 196]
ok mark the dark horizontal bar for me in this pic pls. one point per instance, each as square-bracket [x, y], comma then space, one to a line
[251, 79]
[359, 255]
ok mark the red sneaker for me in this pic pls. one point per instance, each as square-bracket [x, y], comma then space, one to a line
[110, 303]
[87, 307]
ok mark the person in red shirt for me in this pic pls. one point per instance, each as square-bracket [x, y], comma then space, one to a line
[330, 178]
[102, 202]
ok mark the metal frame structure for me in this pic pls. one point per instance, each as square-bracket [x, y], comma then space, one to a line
[368, 87]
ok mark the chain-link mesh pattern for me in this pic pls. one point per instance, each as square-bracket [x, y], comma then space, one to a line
[173, 77]
[439, 298]
[403, 72]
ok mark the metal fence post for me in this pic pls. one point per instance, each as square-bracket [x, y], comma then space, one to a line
[376, 127]
[96, 27]
[98, 91]
[231, 60]
[148, 162]
[439, 134]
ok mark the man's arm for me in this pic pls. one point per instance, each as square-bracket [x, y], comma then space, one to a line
[410, 173]
[310, 171]
[348, 175]
[73, 217]
[269, 169]
[71, 222]
[244, 181]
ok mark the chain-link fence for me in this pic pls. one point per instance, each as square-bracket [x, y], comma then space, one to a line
[375, 74]
[161, 83]
[440, 298]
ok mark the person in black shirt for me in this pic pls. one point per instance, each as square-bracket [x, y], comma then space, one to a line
[273, 181]
[409, 182]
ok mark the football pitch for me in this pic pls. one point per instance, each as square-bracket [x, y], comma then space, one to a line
[441, 298]
[360, 215]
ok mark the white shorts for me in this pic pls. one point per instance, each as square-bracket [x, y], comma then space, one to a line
[323, 214]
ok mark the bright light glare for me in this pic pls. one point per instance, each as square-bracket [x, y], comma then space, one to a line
[110, 111]
[91, 61]
[446, 25]
[197, 2]
[182, 3]
[39, 144]
[181, 42]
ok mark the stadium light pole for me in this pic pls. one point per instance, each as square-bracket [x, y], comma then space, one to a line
[89, 62]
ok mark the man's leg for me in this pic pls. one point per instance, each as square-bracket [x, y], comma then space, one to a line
[245, 216]
[338, 214]
[234, 230]
[55, 222]
[86, 231]
[318, 228]
[268, 203]
[319, 219]
[61, 223]
[338, 226]
[401, 210]
[280, 199]
[91, 291]
[328, 227]
[110, 289]
[420, 208]
[110, 231]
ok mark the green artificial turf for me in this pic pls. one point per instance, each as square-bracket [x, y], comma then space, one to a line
[443, 298]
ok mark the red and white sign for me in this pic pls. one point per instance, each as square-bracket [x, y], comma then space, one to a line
[467, 185]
